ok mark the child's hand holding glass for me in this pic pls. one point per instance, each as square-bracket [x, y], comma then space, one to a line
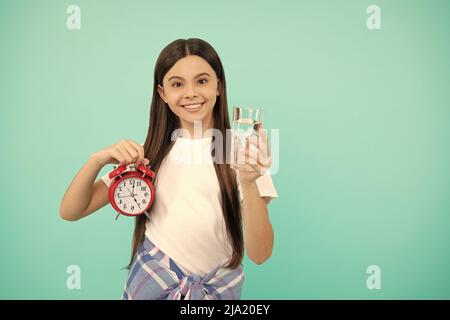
[250, 148]
[257, 156]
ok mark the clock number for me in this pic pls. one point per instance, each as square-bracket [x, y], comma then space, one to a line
[144, 188]
[138, 183]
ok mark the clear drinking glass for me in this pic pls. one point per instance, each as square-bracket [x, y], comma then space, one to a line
[246, 122]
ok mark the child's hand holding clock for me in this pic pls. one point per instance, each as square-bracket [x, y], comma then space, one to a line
[124, 152]
[131, 191]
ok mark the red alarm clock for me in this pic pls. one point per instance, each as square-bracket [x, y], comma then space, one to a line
[131, 193]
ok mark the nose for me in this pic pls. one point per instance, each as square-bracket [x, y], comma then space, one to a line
[190, 91]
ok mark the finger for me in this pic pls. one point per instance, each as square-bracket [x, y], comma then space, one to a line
[262, 132]
[265, 161]
[118, 156]
[256, 166]
[251, 158]
[263, 150]
[132, 151]
[264, 142]
[128, 158]
[260, 159]
[261, 143]
[140, 150]
[251, 153]
[252, 162]
[253, 140]
[259, 153]
[251, 147]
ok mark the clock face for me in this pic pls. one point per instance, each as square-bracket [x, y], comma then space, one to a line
[132, 195]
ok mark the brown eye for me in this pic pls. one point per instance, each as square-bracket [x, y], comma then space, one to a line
[175, 84]
[202, 80]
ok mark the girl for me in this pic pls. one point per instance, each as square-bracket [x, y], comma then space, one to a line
[193, 244]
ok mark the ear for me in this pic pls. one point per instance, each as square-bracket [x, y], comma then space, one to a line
[161, 92]
[218, 86]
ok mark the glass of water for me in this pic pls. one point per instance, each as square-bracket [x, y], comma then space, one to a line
[246, 123]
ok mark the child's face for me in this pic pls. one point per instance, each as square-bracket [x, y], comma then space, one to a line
[191, 81]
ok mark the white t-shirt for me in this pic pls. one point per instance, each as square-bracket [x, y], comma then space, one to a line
[186, 217]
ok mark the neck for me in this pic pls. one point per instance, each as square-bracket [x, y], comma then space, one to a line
[196, 129]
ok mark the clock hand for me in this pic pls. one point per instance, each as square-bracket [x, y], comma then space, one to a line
[137, 203]
[131, 193]
[125, 196]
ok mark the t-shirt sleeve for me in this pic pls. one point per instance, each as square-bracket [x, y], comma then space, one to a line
[265, 186]
[105, 178]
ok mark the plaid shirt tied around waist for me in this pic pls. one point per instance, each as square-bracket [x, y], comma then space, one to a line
[155, 276]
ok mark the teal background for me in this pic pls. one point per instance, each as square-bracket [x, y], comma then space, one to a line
[364, 138]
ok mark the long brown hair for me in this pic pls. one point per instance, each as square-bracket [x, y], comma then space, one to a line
[158, 143]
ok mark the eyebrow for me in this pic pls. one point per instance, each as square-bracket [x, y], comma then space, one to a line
[199, 75]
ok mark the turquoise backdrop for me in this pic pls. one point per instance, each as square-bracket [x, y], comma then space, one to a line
[363, 118]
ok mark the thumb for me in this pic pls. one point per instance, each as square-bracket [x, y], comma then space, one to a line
[146, 161]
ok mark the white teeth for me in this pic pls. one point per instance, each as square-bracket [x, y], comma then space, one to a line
[193, 106]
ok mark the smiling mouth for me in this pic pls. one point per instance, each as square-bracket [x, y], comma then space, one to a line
[193, 107]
